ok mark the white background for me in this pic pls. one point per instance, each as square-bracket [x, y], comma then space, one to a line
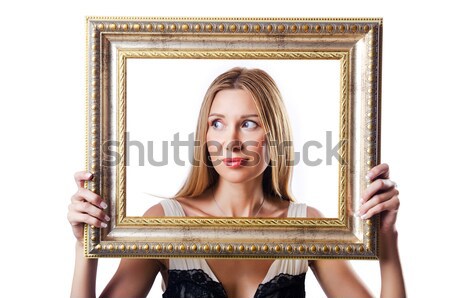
[302, 86]
[42, 95]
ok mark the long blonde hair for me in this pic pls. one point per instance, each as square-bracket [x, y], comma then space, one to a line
[273, 115]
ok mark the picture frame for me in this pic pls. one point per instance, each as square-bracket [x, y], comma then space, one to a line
[116, 48]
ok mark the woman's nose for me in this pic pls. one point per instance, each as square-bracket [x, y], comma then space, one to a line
[234, 145]
[233, 140]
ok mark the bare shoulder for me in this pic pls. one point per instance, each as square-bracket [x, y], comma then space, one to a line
[156, 210]
[196, 206]
[189, 202]
[189, 206]
[313, 212]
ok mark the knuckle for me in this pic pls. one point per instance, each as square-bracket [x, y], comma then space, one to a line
[72, 221]
[369, 213]
[76, 176]
[86, 194]
[80, 174]
[380, 207]
[93, 197]
[376, 199]
[96, 199]
[85, 206]
[363, 198]
[97, 212]
[397, 203]
[392, 184]
[73, 198]
[86, 219]
[79, 193]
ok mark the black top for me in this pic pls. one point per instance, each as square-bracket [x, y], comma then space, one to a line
[195, 283]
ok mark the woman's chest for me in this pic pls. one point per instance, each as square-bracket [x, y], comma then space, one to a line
[240, 278]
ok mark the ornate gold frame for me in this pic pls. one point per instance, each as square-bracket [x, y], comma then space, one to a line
[356, 43]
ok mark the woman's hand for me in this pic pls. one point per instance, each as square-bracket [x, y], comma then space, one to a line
[86, 207]
[381, 196]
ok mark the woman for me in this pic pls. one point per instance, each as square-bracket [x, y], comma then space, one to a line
[237, 173]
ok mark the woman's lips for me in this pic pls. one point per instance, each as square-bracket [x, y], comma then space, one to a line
[234, 162]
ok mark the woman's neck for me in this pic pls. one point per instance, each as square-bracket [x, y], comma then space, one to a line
[239, 199]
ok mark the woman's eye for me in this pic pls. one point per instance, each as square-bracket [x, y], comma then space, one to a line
[249, 124]
[216, 124]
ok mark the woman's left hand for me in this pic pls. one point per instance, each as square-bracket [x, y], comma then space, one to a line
[381, 196]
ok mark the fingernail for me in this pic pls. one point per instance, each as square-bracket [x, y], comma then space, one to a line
[357, 213]
[89, 176]
[107, 218]
[103, 205]
[104, 225]
[364, 216]
[361, 200]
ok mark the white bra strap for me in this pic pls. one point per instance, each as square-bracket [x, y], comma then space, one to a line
[172, 208]
[297, 210]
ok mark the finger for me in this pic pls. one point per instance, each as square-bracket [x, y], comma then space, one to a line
[378, 171]
[377, 199]
[391, 205]
[88, 208]
[379, 185]
[84, 194]
[80, 218]
[82, 176]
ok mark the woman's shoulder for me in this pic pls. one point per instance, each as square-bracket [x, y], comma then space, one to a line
[156, 211]
[168, 207]
[313, 212]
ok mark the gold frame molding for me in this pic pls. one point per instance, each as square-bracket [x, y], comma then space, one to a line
[356, 43]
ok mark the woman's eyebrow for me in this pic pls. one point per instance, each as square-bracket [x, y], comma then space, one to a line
[216, 114]
[249, 115]
[243, 116]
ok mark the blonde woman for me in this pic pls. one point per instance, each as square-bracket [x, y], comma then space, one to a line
[238, 172]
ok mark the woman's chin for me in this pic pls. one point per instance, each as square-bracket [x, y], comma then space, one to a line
[237, 175]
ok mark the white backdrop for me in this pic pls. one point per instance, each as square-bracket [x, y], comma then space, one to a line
[151, 116]
[42, 123]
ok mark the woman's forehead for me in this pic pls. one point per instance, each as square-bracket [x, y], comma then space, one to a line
[233, 101]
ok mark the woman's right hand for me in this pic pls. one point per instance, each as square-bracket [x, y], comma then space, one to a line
[86, 207]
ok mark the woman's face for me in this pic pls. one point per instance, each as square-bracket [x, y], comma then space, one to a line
[236, 137]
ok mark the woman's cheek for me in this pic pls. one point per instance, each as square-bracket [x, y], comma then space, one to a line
[214, 149]
[254, 152]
